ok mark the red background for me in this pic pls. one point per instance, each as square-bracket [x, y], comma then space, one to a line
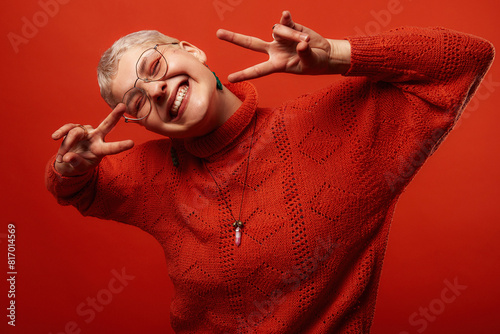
[446, 224]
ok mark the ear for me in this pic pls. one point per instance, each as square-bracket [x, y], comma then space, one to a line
[193, 50]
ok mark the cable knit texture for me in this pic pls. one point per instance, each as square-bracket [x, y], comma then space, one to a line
[325, 173]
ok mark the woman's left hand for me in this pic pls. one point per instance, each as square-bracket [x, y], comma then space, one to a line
[295, 49]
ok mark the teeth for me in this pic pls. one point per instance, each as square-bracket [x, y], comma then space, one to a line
[178, 100]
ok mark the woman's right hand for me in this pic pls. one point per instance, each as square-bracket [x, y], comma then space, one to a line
[83, 147]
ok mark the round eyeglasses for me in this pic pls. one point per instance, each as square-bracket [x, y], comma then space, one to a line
[151, 66]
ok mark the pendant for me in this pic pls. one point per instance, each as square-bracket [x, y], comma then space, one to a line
[237, 239]
[237, 233]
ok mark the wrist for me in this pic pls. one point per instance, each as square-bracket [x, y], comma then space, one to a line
[340, 56]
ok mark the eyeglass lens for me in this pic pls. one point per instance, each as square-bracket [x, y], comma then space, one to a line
[151, 66]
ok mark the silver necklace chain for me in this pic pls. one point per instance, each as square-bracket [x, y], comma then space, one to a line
[237, 224]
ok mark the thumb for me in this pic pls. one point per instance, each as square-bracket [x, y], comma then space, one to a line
[115, 147]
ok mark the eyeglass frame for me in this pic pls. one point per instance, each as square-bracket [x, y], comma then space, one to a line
[136, 120]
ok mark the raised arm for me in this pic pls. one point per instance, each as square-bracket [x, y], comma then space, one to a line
[440, 66]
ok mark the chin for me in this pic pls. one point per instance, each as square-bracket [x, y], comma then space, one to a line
[178, 131]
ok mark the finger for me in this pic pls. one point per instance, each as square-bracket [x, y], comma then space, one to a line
[286, 20]
[63, 130]
[307, 57]
[253, 72]
[73, 136]
[116, 147]
[284, 32]
[73, 159]
[111, 120]
[248, 42]
[73, 164]
[305, 53]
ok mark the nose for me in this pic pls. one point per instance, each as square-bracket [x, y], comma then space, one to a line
[157, 90]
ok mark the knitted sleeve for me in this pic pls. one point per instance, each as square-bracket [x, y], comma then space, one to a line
[400, 97]
[442, 67]
[119, 187]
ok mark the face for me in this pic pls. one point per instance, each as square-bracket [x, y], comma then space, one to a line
[184, 103]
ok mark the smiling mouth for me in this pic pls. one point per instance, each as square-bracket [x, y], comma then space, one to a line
[179, 98]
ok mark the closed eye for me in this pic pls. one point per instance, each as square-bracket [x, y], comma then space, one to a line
[155, 67]
[134, 101]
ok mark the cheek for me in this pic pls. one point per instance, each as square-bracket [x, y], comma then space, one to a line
[202, 92]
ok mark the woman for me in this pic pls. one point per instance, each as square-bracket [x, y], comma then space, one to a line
[272, 220]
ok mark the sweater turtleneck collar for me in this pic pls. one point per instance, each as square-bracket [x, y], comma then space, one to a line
[229, 132]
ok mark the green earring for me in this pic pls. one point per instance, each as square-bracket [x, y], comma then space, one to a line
[219, 84]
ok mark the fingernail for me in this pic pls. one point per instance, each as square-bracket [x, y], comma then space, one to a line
[59, 158]
[304, 37]
[274, 25]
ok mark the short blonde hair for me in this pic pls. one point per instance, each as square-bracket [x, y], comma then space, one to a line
[107, 69]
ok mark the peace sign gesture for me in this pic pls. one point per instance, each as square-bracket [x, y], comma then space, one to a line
[84, 147]
[295, 49]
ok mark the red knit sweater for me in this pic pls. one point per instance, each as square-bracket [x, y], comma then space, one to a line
[324, 175]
